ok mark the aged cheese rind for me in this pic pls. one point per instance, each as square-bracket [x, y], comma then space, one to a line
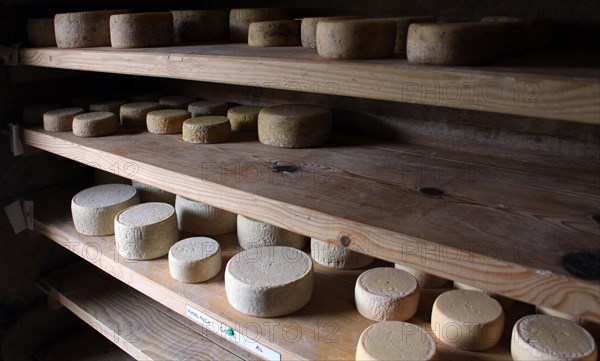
[244, 118]
[195, 259]
[203, 219]
[150, 193]
[40, 32]
[60, 120]
[240, 20]
[84, 29]
[94, 124]
[252, 234]
[34, 114]
[141, 30]
[425, 280]
[134, 114]
[200, 25]
[505, 302]
[274, 33]
[308, 29]
[166, 121]
[395, 340]
[294, 126]
[177, 101]
[207, 107]
[339, 257]
[206, 130]
[402, 25]
[356, 38]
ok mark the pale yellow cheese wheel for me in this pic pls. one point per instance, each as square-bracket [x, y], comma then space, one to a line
[195, 259]
[425, 280]
[333, 256]
[505, 302]
[356, 38]
[200, 25]
[40, 32]
[252, 234]
[166, 121]
[206, 130]
[240, 20]
[134, 114]
[308, 29]
[94, 124]
[244, 117]
[84, 29]
[112, 106]
[274, 33]
[402, 24]
[34, 114]
[150, 193]
[60, 120]
[207, 107]
[294, 126]
[395, 340]
[141, 30]
[203, 219]
[177, 101]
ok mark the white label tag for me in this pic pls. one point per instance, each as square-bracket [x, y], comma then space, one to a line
[28, 212]
[14, 211]
[15, 140]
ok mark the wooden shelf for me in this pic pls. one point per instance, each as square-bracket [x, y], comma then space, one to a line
[558, 84]
[84, 345]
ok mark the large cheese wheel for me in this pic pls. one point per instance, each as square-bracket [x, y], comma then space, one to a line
[269, 281]
[94, 124]
[551, 312]
[146, 231]
[240, 20]
[356, 38]
[294, 126]
[94, 209]
[386, 293]
[467, 320]
[274, 33]
[542, 337]
[200, 25]
[34, 114]
[40, 32]
[195, 259]
[112, 106]
[537, 31]
[243, 117]
[505, 302]
[202, 108]
[134, 114]
[425, 280]
[177, 101]
[141, 30]
[252, 234]
[150, 193]
[395, 340]
[166, 121]
[203, 219]
[60, 120]
[308, 29]
[402, 25]
[333, 256]
[84, 29]
[206, 130]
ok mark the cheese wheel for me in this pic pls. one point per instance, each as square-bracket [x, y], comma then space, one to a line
[94, 124]
[141, 30]
[146, 231]
[333, 256]
[243, 118]
[386, 293]
[195, 259]
[206, 130]
[200, 25]
[542, 337]
[150, 193]
[134, 114]
[308, 29]
[94, 209]
[200, 218]
[274, 33]
[537, 31]
[395, 340]
[356, 38]
[252, 234]
[240, 20]
[40, 32]
[294, 126]
[207, 107]
[550, 312]
[269, 281]
[505, 302]
[84, 29]
[104, 177]
[467, 320]
[112, 106]
[177, 101]
[60, 120]
[34, 114]
[166, 121]
[425, 280]
[402, 24]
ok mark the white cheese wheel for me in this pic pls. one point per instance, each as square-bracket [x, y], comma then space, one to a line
[141, 30]
[94, 124]
[542, 337]
[356, 38]
[550, 312]
[195, 259]
[177, 101]
[84, 29]
[40, 32]
[104, 177]
[207, 129]
[207, 107]
[203, 219]
[308, 29]
[60, 120]
[395, 340]
[402, 24]
[386, 293]
[150, 193]
[252, 234]
[240, 20]
[274, 33]
[505, 302]
[146, 231]
[34, 114]
[294, 126]
[113, 106]
[425, 280]
[243, 117]
[269, 281]
[333, 256]
[200, 25]
[467, 320]
[94, 209]
[134, 114]
[166, 121]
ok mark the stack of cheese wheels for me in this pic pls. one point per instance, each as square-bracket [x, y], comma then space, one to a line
[141, 30]
[177, 101]
[206, 129]
[94, 209]
[505, 302]
[386, 293]
[60, 120]
[244, 117]
[543, 337]
[551, 312]
[195, 259]
[34, 114]
[308, 29]
[240, 20]
[252, 234]
[274, 33]
[202, 108]
[40, 32]
[467, 320]
[395, 340]
[425, 280]
[166, 121]
[402, 25]
[150, 193]
[113, 106]
[269, 281]
[537, 31]
[104, 177]
[294, 126]
[94, 124]
[84, 29]
[356, 38]
[200, 218]
[200, 25]
[134, 114]
[333, 256]
[146, 231]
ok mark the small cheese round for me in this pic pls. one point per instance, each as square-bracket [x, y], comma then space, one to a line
[308, 29]
[150, 193]
[505, 302]
[356, 38]
[84, 29]
[94, 124]
[252, 234]
[195, 259]
[243, 118]
[203, 219]
[207, 107]
[386, 293]
[146, 231]
[113, 106]
[542, 337]
[333, 256]
[240, 20]
[274, 33]
[141, 30]
[269, 281]
[177, 101]
[402, 25]
[60, 120]
[200, 25]
[467, 320]
[94, 209]
[206, 130]
[34, 114]
[166, 121]
[425, 280]
[294, 126]
[40, 32]
[134, 114]
[550, 312]
[395, 340]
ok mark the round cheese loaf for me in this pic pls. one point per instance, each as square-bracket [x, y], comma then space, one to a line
[84, 29]
[206, 130]
[425, 280]
[112, 106]
[146, 231]
[505, 302]
[356, 38]
[308, 29]
[252, 234]
[240, 20]
[177, 101]
[200, 25]
[542, 337]
[200, 218]
[333, 256]
[207, 107]
[150, 193]
[467, 320]
[395, 340]
[550, 312]
[274, 33]
[386, 293]
[34, 114]
[94, 209]
[134, 114]
[269, 281]
[294, 126]
[40, 32]
[104, 177]
[166, 121]
[141, 30]
[244, 117]
[402, 24]
[195, 259]
[60, 120]
[94, 124]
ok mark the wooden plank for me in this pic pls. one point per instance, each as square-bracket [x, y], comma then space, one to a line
[557, 85]
[83, 345]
